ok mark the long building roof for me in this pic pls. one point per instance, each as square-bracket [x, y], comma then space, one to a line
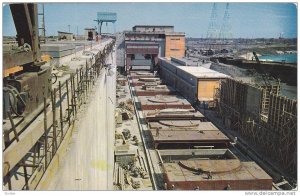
[198, 72]
[202, 72]
[153, 26]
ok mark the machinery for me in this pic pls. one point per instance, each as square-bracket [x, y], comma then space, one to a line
[263, 74]
[26, 77]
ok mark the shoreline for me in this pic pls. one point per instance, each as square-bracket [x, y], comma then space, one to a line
[249, 56]
[272, 57]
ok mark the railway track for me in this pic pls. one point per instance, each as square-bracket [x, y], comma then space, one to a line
[143, 136]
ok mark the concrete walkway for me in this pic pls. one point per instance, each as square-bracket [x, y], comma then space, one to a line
[88, 164]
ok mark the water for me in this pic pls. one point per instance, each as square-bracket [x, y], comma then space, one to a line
[288, 91]
[288, 58]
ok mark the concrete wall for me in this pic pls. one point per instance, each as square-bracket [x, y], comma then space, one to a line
[142, 62]
[186, 89]
[120, 50]
[57, 50]
[181, 81]
[253, 100]
[187, 77]
[175, 46]
[67, 36]
[162, 48]
[167, 29]
[86, 33]
[207, 89]
[259, 184]
[168, 77]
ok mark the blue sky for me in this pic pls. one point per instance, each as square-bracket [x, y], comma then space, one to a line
[248, 20]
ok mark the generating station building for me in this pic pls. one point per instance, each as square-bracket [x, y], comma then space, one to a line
[146, 43]
[166, 121]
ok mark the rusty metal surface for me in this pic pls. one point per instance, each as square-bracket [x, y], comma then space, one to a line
[138, 82]
[153, 90]
[173, 114]
[183, 125]
[191, 168]
[141, 74]
[146, 79]
[36, 84]
[179, 124]
[189, 135]
[163, 102]
[213, 166]
[163, 99]
[186, 154]
[246, 171]
[13, 59]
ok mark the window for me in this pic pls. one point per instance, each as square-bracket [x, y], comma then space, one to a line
[162, 36]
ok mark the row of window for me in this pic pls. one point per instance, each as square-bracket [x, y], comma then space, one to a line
[142, 47]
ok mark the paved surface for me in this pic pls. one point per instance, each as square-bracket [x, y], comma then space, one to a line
[88, 164]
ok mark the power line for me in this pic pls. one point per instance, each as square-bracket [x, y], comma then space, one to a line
[212, 32]
[225, 31]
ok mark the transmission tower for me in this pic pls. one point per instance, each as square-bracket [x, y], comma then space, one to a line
[212, 32]
[225, 31]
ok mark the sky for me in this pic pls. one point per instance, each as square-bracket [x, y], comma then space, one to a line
[247, 20]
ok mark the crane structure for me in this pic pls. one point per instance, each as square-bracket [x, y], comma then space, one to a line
[26, 78]
[105, 17]
[42, 28]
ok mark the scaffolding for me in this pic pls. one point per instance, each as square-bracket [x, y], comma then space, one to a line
[272, 129]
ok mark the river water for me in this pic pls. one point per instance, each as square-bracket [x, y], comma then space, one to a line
[288, 58]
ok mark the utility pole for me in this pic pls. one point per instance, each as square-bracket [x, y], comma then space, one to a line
[69, 27]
